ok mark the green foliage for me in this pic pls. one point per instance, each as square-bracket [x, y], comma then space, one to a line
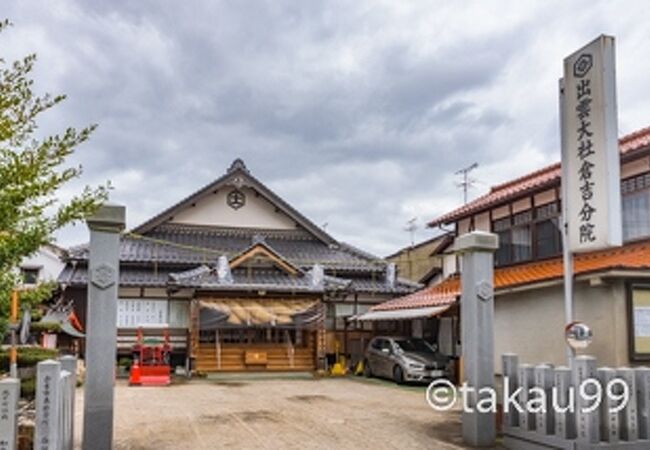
[27, 356]
[28, 388]
[32, 171]
[45, 327]
[125, 362]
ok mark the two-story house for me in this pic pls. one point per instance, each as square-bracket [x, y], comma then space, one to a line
[612, 287]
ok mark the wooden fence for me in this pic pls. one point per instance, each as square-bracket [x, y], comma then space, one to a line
[55, 397]
[558, 427]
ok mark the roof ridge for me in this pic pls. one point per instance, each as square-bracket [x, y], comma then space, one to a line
[634, 135]
[536, 173]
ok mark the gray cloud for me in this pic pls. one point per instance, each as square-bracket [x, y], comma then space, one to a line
[357, 113]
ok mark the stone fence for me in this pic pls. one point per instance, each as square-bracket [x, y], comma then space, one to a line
[55, 397]
[581, 407]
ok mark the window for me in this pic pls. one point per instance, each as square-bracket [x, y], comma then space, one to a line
[636, 206]
[502, 229]
[29, 275]
[531, 234]
[521, 243]
[515, 240]
[548, 235]
[548, 240]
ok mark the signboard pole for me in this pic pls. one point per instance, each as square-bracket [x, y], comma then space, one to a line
[567, 256]
[591, 195]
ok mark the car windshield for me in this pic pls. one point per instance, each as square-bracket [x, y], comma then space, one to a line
[414, 345]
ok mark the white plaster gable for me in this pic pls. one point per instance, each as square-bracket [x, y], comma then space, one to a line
[214, 210]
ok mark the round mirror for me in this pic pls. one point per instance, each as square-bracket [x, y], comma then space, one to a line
[578, 335]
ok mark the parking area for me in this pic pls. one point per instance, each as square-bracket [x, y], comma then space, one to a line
[279, 413]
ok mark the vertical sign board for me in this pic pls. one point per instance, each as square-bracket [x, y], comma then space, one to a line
[591, 190]
[9, 394]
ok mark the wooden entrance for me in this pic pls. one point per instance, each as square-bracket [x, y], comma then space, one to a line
[257, 356]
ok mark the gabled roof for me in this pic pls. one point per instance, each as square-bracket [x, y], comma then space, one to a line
[546, 177]
[237, 174]
[631, 257]
[261, 248]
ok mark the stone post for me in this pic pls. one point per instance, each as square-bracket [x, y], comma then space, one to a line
[587, 423]
[526, 382]
[48, 405]
[69, 364]
[101, 329]
[477, 329]
[610, 422]
[641, 409]
[9, 394]
[510, 365]
[564, 418]
[545, 420]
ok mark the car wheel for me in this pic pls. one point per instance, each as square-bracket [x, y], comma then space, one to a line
[398, 375]
[367, 371]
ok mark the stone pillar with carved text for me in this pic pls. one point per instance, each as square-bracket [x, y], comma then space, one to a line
[101, 325]
[477, 330]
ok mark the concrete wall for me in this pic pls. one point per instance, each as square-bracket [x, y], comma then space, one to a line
[414, 263]
[213, 210]
[531, 323]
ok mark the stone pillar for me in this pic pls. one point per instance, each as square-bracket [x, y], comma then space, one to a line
[564, 423]
[510, 371]
[9, 394]
[587, 423]
[610, 421]
[101, 329]
[545, 421]
[477, 328]
[69, 364]
[48, 406]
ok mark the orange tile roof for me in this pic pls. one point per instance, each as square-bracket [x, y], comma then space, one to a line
[547, 176]
[632, 256]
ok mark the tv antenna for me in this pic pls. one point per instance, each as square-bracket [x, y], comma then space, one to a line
[467, 182]
[411, 226]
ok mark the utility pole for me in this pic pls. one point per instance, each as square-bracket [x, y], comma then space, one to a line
[411, 226]
[467, 182]
[13, 324]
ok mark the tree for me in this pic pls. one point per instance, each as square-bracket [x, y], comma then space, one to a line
[31, 173]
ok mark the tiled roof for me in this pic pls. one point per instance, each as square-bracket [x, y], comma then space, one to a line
[548, 176]
[378, 285]
[186, 244]
[77, 275]
[633, 256]
[267, 279]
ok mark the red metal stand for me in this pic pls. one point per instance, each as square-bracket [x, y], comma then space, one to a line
[151, 362]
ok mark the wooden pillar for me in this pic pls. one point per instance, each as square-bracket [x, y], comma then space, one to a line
[194, 328]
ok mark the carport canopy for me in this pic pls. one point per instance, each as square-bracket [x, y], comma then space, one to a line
[402, 314]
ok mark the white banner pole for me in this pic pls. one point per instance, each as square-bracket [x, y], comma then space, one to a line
[567, 256]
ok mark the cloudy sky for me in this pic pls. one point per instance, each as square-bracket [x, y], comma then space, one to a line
[357, 112]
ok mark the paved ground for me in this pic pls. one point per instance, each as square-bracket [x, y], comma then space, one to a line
[278, 413]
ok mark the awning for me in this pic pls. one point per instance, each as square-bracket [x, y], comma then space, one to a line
[402, 314]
